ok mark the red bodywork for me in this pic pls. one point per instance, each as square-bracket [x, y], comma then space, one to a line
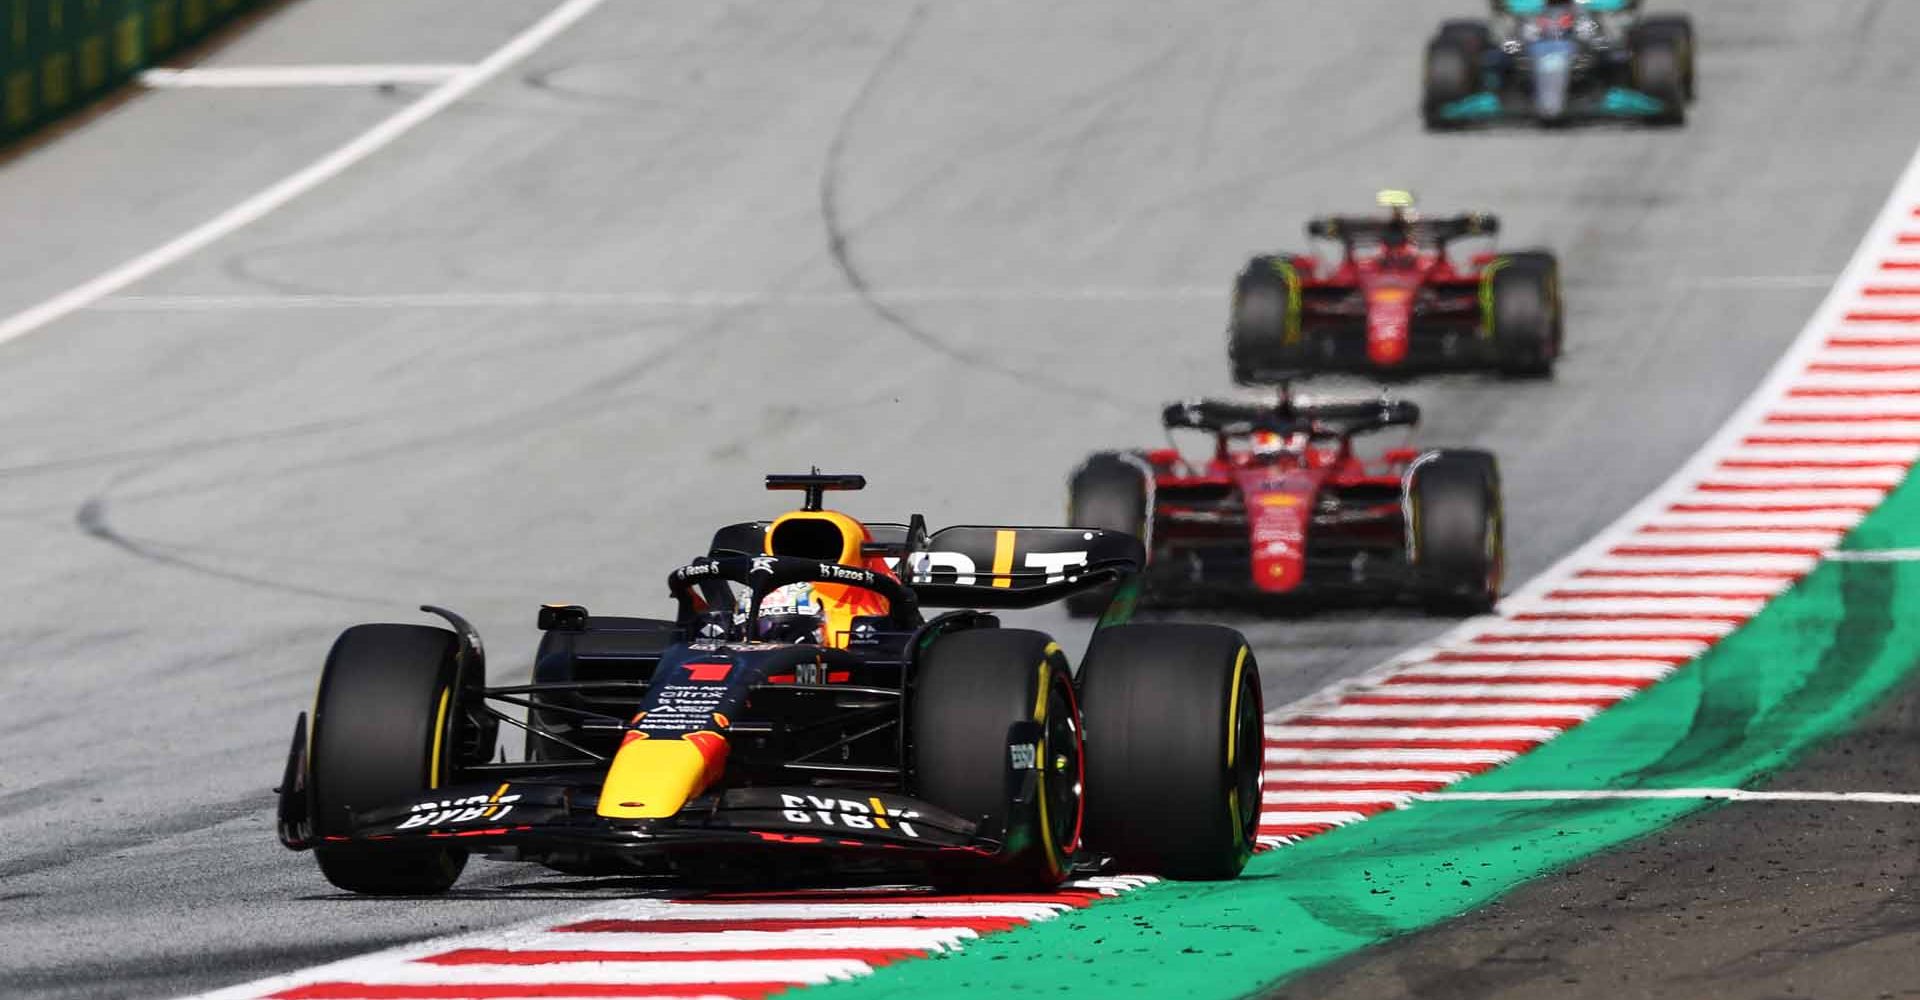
[1385, 285]
[1272, 514]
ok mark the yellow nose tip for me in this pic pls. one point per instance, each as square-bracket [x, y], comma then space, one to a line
[652, 778]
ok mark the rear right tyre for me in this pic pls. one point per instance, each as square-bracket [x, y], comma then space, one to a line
[1525, 313]
[1456, 530]
[1175, 748]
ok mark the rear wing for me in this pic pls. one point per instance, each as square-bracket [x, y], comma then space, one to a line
[1365, 230]
[982, 566]
[1234, 418]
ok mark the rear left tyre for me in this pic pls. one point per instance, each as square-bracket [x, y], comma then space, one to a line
[383, 733]
[1456, 530]
[968, 689]
[1175, 748]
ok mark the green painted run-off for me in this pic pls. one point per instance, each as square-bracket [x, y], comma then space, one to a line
[1814, 660]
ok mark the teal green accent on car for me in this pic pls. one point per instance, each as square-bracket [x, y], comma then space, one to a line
[1482, 105]
[1632, 103]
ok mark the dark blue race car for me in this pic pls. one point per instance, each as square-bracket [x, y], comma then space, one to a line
[1558, 61]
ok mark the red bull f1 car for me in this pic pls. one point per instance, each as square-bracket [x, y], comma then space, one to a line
[1395, 301]
[804, 714]
[1284, 508]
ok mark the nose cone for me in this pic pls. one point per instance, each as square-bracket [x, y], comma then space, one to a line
[1552, 76]
[654, 778]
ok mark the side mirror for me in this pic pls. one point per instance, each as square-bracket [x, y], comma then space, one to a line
[563, 618]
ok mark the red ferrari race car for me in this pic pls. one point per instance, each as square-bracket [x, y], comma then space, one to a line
[1284, 506]
[1396, 302]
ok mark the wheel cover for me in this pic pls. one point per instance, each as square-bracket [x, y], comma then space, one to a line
[1247, 754]
[1062, 772]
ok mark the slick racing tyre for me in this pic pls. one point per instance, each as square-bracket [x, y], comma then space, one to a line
[384, 711]
[1524, 312]
[968, 688]
[1452, 74]
[1456, 530]
[1109, 492]
[1659, 71]
[1175, 749]
[1264, 330]
[1679, 29]
[1475, 36]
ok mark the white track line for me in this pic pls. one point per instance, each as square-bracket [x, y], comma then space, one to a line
[306, 179]
[1727, 794]
[1644, 669]
[1457, 710]
[1465, 758]
[1518, 692]
[316, 75]
[1305, 775]
[1874, 555]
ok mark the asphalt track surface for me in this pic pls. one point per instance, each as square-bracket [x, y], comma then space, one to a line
[537, 347]
[1750, 901]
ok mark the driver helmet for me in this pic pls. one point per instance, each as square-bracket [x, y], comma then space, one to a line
[818, 612]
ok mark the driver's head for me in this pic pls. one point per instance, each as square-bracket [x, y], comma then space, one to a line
[818, 612]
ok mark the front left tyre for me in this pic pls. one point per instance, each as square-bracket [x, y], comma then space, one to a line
[383, 733]
[1175, 749]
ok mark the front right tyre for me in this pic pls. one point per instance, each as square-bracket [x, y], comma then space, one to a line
[383, 733]
[968, 689]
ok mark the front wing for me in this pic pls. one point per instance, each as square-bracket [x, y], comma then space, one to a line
[541, 815]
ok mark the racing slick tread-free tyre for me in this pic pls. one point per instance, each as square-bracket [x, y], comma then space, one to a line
[1450, 75]
[1527, 320]
[1258, 330]
[383, 700]
[1175, 748]
[1107, 492]
[1678, 28]
[1457, 530]
[1659, 71]
[967, 689]
[1475, 36]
